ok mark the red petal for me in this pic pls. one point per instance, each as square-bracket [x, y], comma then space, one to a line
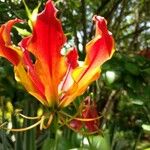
[67, 82]
[75, 124]
[101, 48]
[72, 58]
[6, 49]
[90, 111]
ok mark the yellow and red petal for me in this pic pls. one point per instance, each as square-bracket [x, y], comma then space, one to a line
[45, 44]
[99, 50]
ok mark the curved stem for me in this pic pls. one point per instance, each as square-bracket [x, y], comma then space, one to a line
[24, 129]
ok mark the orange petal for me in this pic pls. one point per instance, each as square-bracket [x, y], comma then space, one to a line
[30, 67]
[22, 76]
[14, 55]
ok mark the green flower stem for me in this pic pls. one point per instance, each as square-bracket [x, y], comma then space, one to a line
[3, 133]
[90, 144]
[56, 119]
[53, 130]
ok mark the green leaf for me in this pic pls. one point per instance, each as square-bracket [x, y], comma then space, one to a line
[29, 136]
[3, 7]
[29, 14]
[100, 142]
[132, 68]
[22, 32]
[32, 16]
[49, 144]
[146, 127]
[137, 102]
[147, 71]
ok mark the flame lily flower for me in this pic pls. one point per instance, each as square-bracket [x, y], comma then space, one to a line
[55, 79]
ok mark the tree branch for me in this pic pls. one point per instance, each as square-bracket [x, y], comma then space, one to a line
[83, 10]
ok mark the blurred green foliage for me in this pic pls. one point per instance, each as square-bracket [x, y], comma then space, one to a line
[122, 93]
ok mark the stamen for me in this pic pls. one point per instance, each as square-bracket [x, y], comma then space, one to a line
[40, 122]
[81, 119]
[1, 126]
[50, 120]
[31, 118]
